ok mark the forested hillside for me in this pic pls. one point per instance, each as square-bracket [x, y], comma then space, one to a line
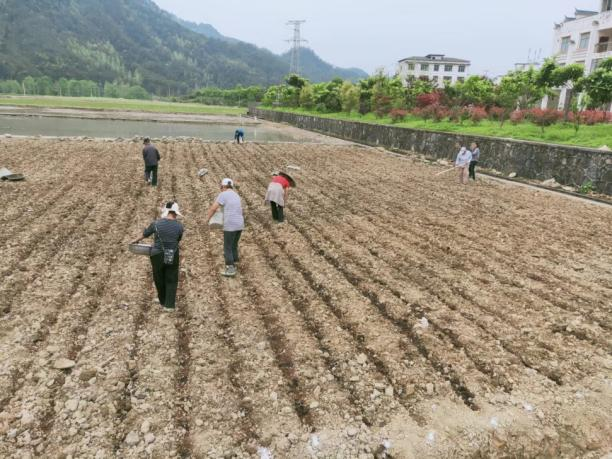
[130, 42]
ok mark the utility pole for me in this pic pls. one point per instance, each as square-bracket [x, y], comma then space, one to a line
[296, 42]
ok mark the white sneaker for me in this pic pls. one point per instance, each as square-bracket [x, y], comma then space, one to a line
[230, 271]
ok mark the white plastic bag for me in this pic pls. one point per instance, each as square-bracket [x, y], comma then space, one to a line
[216, 221]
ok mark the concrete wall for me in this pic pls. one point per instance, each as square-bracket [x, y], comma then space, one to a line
[568, 165]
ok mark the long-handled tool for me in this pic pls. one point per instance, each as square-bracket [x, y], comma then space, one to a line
[444, 172]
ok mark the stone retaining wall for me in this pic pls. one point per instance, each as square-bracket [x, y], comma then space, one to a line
[568, 165]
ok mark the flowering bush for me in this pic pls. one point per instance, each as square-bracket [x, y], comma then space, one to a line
[425, 100]
[398, 115]
[477, 114]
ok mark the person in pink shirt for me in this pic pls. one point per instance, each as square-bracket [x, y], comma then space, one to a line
[277, 194]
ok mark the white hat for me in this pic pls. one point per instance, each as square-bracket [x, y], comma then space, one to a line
[227, 182]
[174, 208]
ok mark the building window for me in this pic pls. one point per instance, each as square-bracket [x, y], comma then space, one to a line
[606, 6]
[410, 66]
[565, 42]
[461, 68]
[460, 79]
[448, 67]
[423, 78]
[448, 79]
[436, 67]
[425, 67]
[584, 40]
[595, 64]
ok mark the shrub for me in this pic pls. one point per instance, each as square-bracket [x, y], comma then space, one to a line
[499, 114]
[592, 117]
[517, 116]
[425, 100]
[435, 112]
[477, 114]
[496, 113]
[382, 105]
[544, 117]
[397, 115]
[439, 112]
[586, 188]
[424, 113]
[458, 114]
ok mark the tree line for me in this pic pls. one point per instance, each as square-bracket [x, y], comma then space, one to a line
[45, 86]
[237, 97]
[517, 91]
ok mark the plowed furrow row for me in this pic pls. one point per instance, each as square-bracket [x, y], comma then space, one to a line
[340, 358]
[69, 341]
[32, 205]
[382, 230]
[263, 326]
[443, 222]
[468, 254]
[330, 300]
[80, 252]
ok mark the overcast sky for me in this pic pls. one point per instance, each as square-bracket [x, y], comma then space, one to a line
[493, 34]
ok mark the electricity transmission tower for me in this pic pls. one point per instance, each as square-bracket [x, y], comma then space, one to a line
[296, 42]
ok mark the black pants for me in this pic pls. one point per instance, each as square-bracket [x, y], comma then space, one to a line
[278, 212]
[151, 172]
[230, 246]
[166, 279]
[473, 169]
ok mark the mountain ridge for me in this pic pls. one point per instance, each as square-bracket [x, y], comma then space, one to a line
[130, 41]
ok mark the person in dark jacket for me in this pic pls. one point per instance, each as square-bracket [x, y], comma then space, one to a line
[151, 157]
[239, 135]
[168, 233]
[475, 158]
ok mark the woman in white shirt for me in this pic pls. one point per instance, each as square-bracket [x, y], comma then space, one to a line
[233, 224]
[462, 163]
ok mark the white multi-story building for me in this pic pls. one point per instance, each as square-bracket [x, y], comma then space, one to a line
[585, 38]
[434, 67]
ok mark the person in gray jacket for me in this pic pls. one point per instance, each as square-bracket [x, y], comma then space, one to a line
[151, 157]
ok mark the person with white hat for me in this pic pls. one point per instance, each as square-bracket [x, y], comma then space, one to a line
[233, 224]
[165, 258]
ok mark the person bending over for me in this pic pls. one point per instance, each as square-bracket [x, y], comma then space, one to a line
[277, 194]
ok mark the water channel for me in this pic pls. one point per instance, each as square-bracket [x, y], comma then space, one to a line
[74, 127]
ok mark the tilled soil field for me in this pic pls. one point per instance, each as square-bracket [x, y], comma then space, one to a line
[395, 314]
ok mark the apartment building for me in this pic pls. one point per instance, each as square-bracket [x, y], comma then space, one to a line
[585, 38]
[434, 67]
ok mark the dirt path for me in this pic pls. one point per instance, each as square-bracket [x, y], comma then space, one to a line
[395, 314]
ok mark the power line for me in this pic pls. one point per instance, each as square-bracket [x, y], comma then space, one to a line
[296, 47]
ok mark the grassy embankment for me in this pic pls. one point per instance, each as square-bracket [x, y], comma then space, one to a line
[95, 103]
[562, 133]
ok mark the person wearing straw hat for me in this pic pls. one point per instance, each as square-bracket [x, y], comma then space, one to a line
[165, 258]
[233, 224]
[277, 194]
